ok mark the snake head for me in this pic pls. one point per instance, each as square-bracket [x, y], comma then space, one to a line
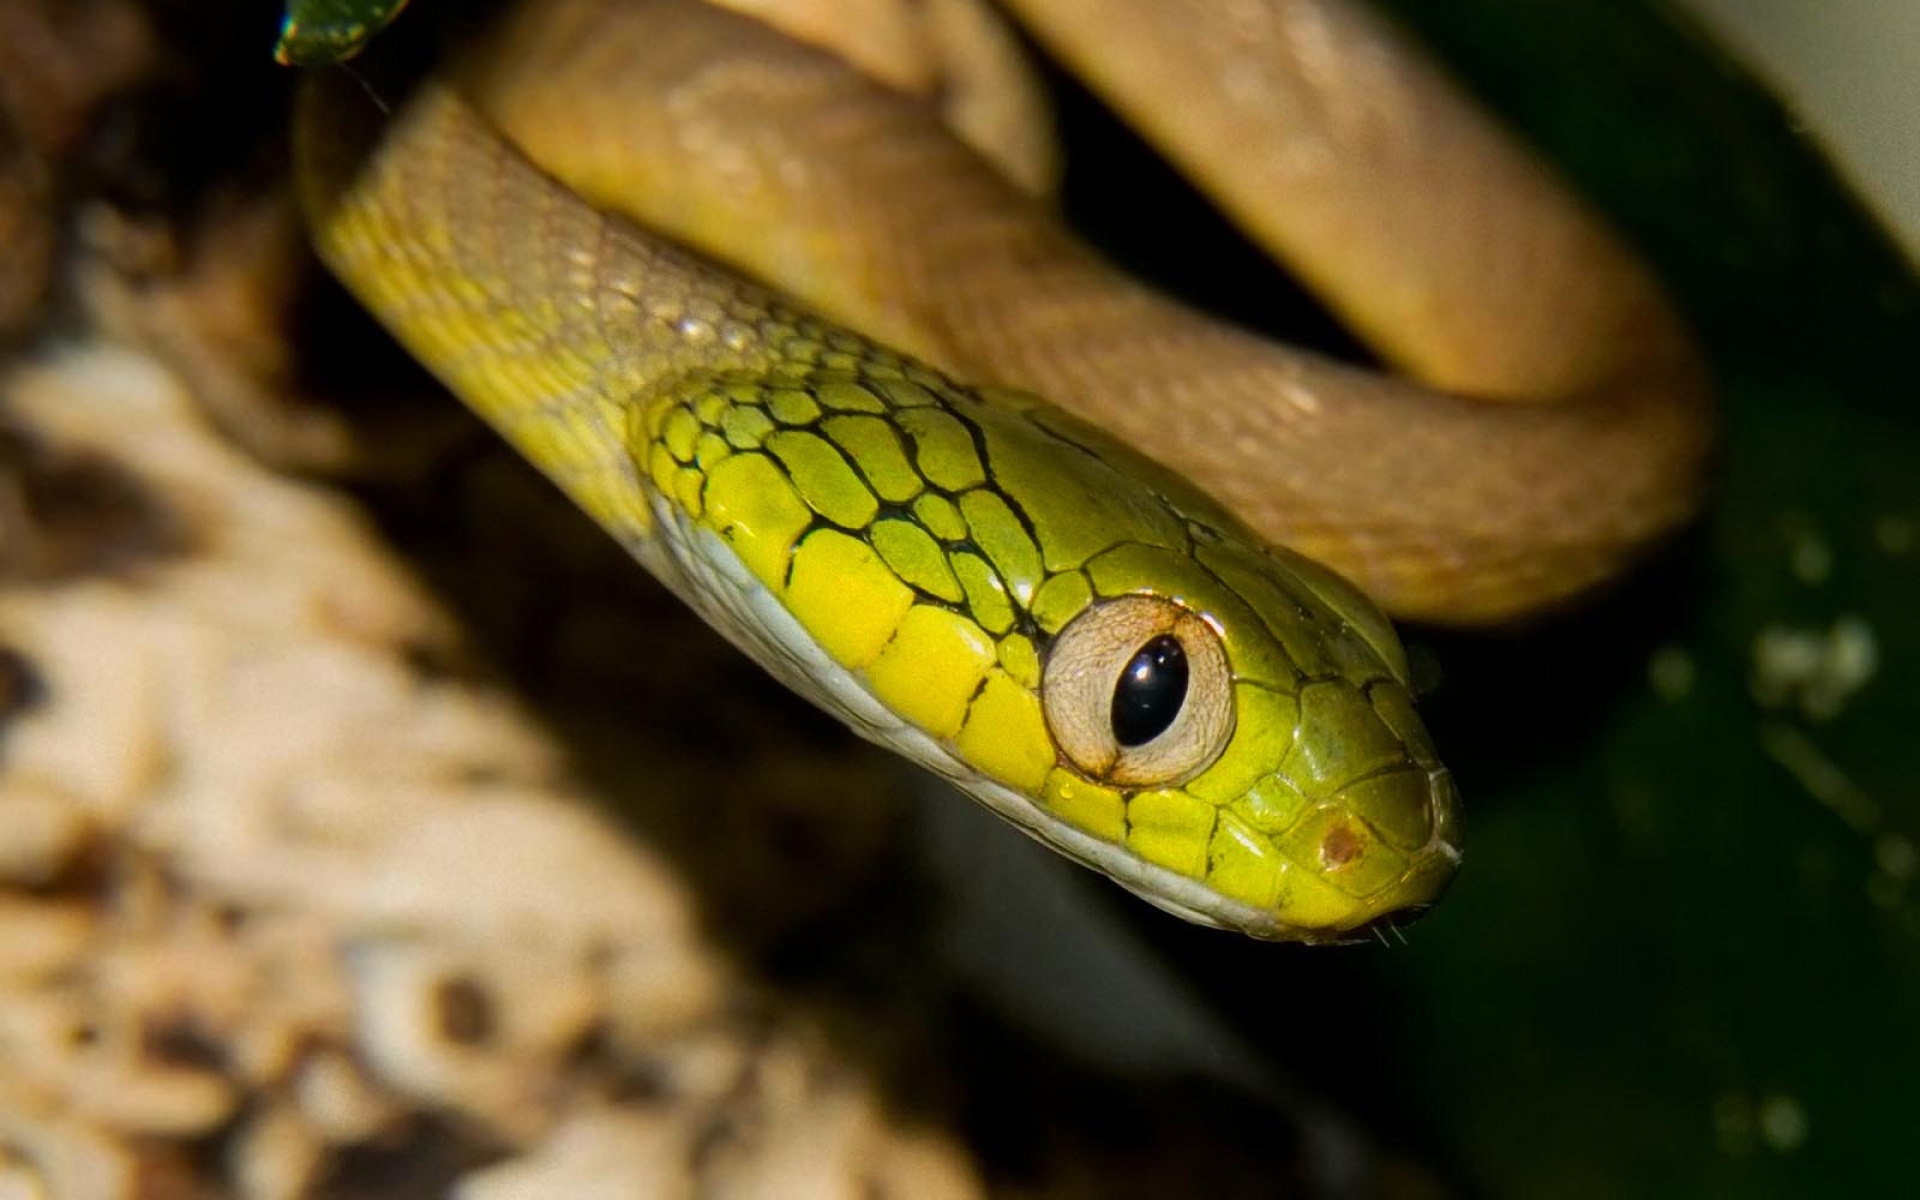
[1079, 639]
[1236, 721]
[1228, 726]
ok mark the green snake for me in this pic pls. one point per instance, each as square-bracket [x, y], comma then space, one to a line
[1000, 587]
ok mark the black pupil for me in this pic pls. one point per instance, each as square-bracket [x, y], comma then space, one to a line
[1150, 692]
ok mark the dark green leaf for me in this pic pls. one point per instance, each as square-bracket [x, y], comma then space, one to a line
[320, 33]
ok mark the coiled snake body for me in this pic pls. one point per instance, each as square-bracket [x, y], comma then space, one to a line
[1004, 588]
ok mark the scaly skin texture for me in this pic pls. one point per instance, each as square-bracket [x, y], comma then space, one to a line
[914, 554]
[1553, 420]
[899, 547]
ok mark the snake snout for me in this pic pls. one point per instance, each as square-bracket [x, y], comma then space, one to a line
[1369, 887]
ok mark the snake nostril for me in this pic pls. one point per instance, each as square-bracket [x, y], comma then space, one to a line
[1342, 846]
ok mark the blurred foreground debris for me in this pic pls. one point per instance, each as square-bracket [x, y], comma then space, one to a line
[59, 59]
[265, 885]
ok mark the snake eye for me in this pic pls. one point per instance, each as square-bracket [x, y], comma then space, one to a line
[1151, 692]
[1137, 692]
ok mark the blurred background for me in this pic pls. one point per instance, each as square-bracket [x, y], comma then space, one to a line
[1846, 70]
[362, 834]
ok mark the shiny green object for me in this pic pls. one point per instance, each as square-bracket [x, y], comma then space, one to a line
[320, 33]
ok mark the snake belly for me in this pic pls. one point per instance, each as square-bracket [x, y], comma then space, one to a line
[967, 576]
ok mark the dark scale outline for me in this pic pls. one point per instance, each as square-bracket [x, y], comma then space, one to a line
[1406, 759]
[866, 480]
[1367, 690]
[895, 513]
[844, 457]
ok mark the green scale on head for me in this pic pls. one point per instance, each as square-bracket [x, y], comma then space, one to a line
[1080, 639]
